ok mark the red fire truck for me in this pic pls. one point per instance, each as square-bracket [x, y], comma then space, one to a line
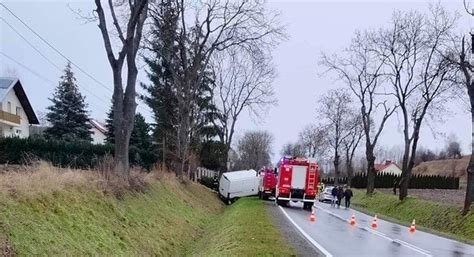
[268, 181]
[298, 180]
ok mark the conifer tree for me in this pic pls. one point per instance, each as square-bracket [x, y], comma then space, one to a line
[109, 125]
[141, 133]
[68, 115]
[160, 93]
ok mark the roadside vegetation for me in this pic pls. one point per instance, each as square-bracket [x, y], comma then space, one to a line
[442, 217]
[69, 212]
[244, 229]
[45, 210]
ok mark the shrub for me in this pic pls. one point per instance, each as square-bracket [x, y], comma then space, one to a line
[74, 154]
[387, 181]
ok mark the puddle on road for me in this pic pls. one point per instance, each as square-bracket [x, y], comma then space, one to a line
[459, 250]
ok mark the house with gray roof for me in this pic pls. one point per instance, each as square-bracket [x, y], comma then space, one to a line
[16, 112]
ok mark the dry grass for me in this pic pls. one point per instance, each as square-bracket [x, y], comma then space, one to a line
[43, 178]
[451, 167]
[62, 212]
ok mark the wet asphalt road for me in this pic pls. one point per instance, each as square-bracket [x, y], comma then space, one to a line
[332, 234]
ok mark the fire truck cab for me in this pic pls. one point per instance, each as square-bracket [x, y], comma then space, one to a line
[268, 181]
[298, 180]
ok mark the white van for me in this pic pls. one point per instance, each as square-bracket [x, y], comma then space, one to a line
[235, 184]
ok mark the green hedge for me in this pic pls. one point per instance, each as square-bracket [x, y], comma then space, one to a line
[75, 154]
[387, 181]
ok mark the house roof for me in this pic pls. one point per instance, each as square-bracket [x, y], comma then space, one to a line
[7, 84]
[383, 166]
[98, 125]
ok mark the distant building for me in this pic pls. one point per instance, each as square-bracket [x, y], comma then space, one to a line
[388, 167]
[16, 113]
[98, 132]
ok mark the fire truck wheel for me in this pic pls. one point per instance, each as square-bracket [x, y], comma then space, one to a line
[307, 206]
[265, 197]
[282, 202]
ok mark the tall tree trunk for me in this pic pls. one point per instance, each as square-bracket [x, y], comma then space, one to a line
[370, 156]
[470, 168]
[336, 168]
[405, 177]
[121, 129]
[350, 170]
[409, 157]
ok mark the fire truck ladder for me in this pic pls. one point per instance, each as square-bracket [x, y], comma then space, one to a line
[312, 177]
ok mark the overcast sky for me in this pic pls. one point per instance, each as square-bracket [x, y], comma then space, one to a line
[312, 26]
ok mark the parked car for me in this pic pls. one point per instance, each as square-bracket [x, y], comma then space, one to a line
[326, 196]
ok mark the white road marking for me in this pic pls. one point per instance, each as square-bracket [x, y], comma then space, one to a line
[369, 229]
[308, 237]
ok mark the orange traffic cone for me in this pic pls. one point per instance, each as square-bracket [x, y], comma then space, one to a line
[352, 221]
[374, 222]
[413, 227]
[312, 217]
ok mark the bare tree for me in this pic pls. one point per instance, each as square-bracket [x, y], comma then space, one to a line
[254, 150]
[361, 70]
[453, 147]
[129, 37]
[335, 111]
[242, 82]
[418, 74]
[350, 143]
[462, 59]
[204, 28]
[293, 149]
[313, 139]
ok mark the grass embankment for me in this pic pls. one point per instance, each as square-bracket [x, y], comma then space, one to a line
[444, 218]
[49, 211]
[245, 229]
[53, 212]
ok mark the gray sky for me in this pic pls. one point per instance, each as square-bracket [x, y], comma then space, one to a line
[312, 26]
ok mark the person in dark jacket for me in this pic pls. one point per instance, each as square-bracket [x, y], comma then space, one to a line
[347, 197]
[334, 193]
[340, 195]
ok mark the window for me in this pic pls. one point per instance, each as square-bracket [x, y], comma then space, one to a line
[18, 111]
[9, 107]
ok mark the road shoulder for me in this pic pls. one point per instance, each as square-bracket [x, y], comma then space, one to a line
[301, 245]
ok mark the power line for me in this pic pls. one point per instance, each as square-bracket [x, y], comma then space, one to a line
[45, 57]
[44, 78]
[54, 48]
[30, 44]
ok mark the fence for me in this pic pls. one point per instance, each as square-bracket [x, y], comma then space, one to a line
[203, 172]
[388, 180]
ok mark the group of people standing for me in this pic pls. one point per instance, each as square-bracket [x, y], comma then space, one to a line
[338, 193]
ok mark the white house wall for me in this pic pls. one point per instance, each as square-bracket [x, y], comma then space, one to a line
[97, 136]
[24, 123]
[392, 169]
